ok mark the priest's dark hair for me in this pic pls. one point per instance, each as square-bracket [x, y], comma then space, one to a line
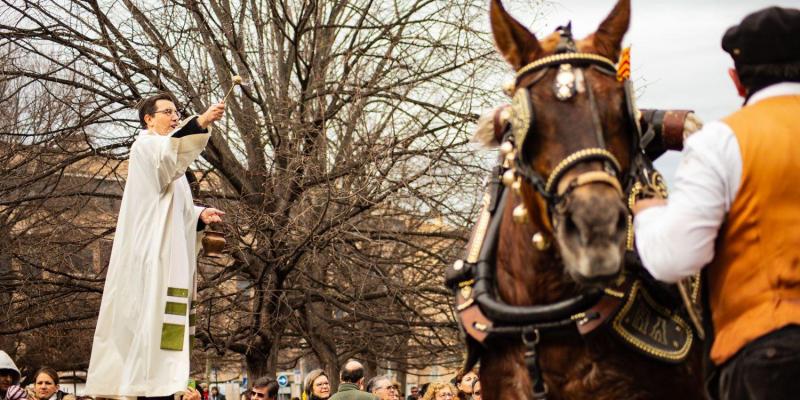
[148, 105]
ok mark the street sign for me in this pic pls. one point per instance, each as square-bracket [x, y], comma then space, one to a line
[283, 380]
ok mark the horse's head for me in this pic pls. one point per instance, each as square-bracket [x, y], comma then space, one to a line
[573, 140]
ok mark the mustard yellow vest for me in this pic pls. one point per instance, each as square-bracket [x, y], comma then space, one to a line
[754, 280]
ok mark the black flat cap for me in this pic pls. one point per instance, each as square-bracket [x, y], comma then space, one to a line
[769, 36]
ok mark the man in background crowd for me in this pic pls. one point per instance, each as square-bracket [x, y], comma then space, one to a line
[264, 389]
[352, 383]
[384, 387]
[414, 393]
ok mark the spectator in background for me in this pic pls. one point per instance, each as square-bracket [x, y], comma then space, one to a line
[203, 389]
[215, 394]
[317, 386]
[264, 388]
[463, 383]
[477, 394]
[384, 388]
[422, 390]
[352, 383]
[397, 395]
[414, 393]
[45, 386]
[9, 379]
[440, 391]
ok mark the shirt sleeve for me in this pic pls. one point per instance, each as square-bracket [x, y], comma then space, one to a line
[200, 224]
[676, 240]
[191, 127]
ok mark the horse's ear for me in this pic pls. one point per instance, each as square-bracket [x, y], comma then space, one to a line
[608, 38]
[517, 44]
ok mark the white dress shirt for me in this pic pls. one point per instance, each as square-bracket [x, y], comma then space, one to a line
[677, 240]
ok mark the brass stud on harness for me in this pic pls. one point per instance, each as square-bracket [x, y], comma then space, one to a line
[509, 88]
[506, 148]
[520, 214]
[508, 177]
[540, 241]
[565, 82]
[516, 186]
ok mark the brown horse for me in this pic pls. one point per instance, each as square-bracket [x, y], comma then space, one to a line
[579, 207]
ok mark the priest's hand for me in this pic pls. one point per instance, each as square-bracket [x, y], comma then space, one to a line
[213, 114]
[211, 215]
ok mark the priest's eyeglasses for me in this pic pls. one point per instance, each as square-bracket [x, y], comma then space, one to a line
[169, 112]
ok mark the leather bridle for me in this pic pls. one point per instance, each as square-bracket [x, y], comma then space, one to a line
[570, 74]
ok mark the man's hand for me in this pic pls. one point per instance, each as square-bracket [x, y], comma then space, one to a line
[213, 114]
[644, 204]
[211, 215]
[191, 394]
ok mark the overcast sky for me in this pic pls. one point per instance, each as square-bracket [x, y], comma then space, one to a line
[676, 58]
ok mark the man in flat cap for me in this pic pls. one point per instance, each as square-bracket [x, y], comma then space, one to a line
[735, 210]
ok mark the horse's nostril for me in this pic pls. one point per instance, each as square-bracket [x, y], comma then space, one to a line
[570, 227]
[622, 222]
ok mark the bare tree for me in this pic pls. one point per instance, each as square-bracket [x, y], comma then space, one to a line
[343, 163]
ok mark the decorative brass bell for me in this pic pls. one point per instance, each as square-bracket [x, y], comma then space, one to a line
[540, 241]
[213, 242]
[520, 214]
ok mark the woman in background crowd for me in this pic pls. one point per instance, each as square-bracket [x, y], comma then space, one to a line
[440, 391]
[45, 386]
[463, 382]
[476, 390]
[317, 386]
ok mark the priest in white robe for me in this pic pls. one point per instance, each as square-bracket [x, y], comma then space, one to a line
[143, 338]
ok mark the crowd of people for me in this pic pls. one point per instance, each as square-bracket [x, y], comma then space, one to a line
[45, 383]
[353, 386]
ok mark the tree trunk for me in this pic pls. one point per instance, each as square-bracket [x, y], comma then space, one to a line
[260, 362]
